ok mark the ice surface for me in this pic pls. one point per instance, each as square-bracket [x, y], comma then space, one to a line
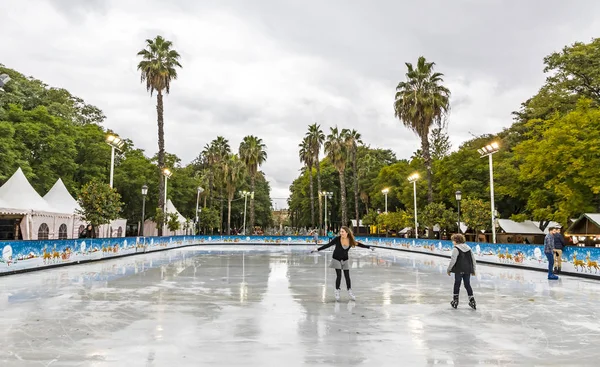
[273, 306]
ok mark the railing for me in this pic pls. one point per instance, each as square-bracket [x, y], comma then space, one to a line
[20, 256]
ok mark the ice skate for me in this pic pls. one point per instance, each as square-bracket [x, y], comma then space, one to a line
[454, 302]
[337, 294]
[552, 277]
[472, 303]
[351, 295]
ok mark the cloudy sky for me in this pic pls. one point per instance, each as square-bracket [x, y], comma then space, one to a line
[271, 67]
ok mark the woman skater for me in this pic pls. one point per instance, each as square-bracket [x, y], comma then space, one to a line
[463, 265]
[339, 260]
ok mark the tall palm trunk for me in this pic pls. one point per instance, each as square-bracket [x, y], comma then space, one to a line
[161, 155]
[210, 188]
[312, 197]
[343, 198]
[222, 200]
[229, 215]
[427, 159]
[355, 173]
[253, 186]
[319, 196]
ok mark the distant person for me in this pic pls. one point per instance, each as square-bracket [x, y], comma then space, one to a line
[315, 234]
[559, 245]
[330, 234]
[463, 265]
[343, 243]
[549, 251]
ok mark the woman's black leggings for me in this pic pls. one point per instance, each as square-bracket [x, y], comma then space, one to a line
[338, 278]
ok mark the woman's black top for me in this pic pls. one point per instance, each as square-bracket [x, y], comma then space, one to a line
[339, 252]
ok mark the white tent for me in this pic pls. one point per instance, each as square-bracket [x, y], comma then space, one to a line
[39, 218]
[150, 226]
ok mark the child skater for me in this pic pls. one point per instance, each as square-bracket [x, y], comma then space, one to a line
[462, 264]
[339, 260]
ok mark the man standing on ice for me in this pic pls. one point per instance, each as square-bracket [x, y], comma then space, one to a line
[549, 251]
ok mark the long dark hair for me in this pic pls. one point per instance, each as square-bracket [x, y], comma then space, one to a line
[350, 236]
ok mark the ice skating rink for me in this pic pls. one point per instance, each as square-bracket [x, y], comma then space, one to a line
[274, 306]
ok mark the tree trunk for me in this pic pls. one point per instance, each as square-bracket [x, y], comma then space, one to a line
[343, 198]
[222, 204]
[427, 159]
[251, 223]
[354, 164]
[319, 196]
[210, 188]
[161, 155]
[312, 198]
[229, 216]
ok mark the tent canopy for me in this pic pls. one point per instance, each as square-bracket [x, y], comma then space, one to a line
[172, 210]
[18, 194]
[512, 227]
[587, 225]
[61, 200]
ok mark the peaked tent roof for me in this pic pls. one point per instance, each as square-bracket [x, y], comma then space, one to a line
[547, 229]
[512, 227]
[171, 209]
[60, 199]
[17, 193]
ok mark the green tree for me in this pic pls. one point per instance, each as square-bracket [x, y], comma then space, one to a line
[100, 204]
[475, 213]
[422, 102]
[234, 176]
[439, 143]
[308, 158]
[337, 151]
[353, 140]
[158, 68]
[253, 153]
[315, 139]
[437, 214]
[173, 222]
[209, 219]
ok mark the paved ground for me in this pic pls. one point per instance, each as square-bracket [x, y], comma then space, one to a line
[274, 306]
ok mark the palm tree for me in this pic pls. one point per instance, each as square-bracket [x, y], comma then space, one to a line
[158, 68]
[307, 157]
[422, 101]
[337, 151]
[234, 169]
[253, 152]
[316, 138]
[352, 140]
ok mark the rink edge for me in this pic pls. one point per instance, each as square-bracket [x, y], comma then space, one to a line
[86, 261]
[524, 267]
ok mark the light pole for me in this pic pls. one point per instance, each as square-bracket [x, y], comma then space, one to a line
[489, 151]
[458, 196]
[167, 173]
[245, 194]
[115, 143]
[385, 192]
[200, 191]
[326, 194]
[144, 193]
[413, 179]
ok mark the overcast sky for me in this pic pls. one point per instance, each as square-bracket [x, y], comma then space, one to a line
[272, 67]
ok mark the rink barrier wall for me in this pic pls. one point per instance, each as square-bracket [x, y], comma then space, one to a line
[23, 256]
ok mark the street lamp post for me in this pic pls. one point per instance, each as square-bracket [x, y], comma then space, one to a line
[458, 195]
[326, 194]
[144, 193]
[245, 194]
[489, 151]
[167, 173]
[413, 179]
[200, 191]
[385, 192]
[115, 143]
